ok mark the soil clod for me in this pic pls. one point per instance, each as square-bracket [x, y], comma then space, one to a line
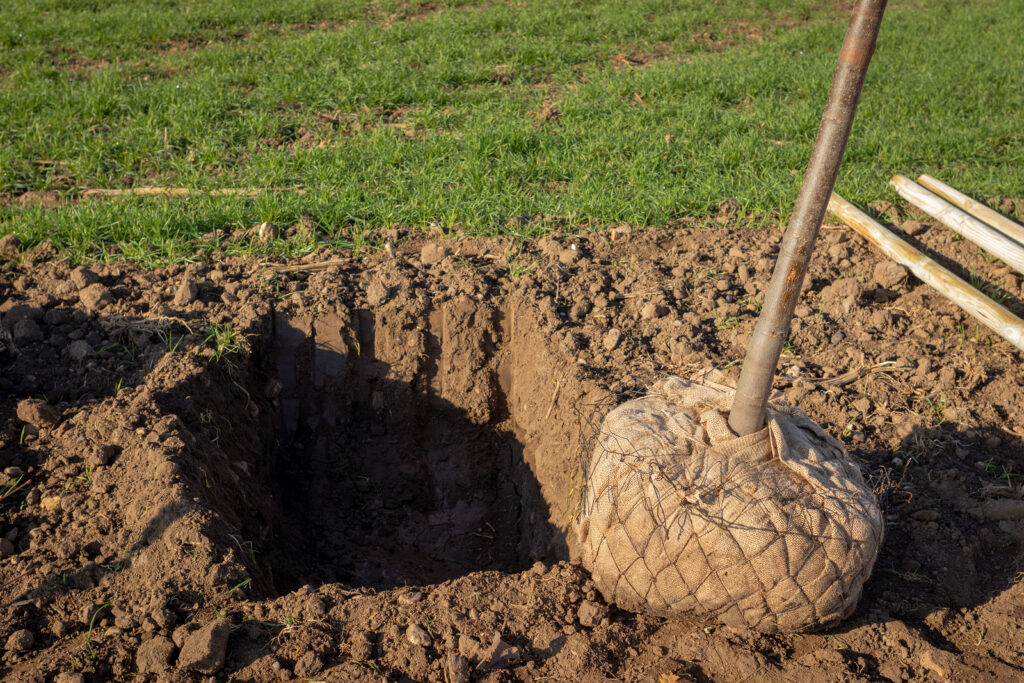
[38, 413]
[204, 650]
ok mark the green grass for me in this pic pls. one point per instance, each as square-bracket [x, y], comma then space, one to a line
[470, 116]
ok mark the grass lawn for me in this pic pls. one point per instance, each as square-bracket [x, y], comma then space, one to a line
[574, 115]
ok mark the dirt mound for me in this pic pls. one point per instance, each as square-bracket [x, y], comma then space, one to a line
[368, 468]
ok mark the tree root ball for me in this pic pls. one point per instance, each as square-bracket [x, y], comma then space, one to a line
[775, 531]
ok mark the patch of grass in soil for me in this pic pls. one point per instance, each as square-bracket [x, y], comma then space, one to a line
[487, 118]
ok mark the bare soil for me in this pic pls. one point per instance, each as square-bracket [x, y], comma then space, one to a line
[366, 469]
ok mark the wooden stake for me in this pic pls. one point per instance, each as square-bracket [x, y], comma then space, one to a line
[988, 312]
[758, 373]
[1010, 228]
[985, 236]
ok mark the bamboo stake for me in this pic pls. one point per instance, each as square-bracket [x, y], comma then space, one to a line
[986, 237]
[1008, 227]
[758, 372]
[186, 192]
[988, 312]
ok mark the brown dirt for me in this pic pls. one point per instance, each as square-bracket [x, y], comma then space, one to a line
[373, 476]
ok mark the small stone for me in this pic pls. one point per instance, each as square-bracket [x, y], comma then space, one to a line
[38, 413]
[266, 232]
[186, 293]
[937, 661]
[26, 331]
[416, 635]
[433, 253]
[591, 613]
[889, 274]
[154, 655]
[376, 293]
[20, 641]
[204, 650]
[993, 442]
[83, 277]
[837, 337]
[612, 339]
[79, 350]
[95, 297]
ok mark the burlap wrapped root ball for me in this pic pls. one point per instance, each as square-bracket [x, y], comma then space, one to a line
[775, 531]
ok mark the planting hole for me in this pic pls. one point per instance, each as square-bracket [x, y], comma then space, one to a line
[408, 453]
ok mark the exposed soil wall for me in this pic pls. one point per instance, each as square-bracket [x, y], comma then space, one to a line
[368, 468]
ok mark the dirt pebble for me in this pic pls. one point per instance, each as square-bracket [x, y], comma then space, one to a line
[82, 277]
[95, 297]
[433, 253]
[38, 413]
[155, 655]
[417, 635]
[204, 650]
[186, 293]
[20, 641]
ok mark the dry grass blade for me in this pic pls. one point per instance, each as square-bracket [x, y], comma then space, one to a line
[102, 193]
[159, 325]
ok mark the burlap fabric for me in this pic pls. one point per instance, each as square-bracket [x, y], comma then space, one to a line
[775, 531]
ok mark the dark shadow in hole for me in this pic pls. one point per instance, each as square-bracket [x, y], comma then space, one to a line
[948, 544]
[383, 483]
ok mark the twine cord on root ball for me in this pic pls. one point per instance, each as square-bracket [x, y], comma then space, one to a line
[774, 531]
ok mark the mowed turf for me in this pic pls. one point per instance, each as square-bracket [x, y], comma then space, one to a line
[480, 117]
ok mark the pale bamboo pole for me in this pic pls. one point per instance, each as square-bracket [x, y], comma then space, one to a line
[758, 372]
[986, 237]
[988, 312]
[1008, 227]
